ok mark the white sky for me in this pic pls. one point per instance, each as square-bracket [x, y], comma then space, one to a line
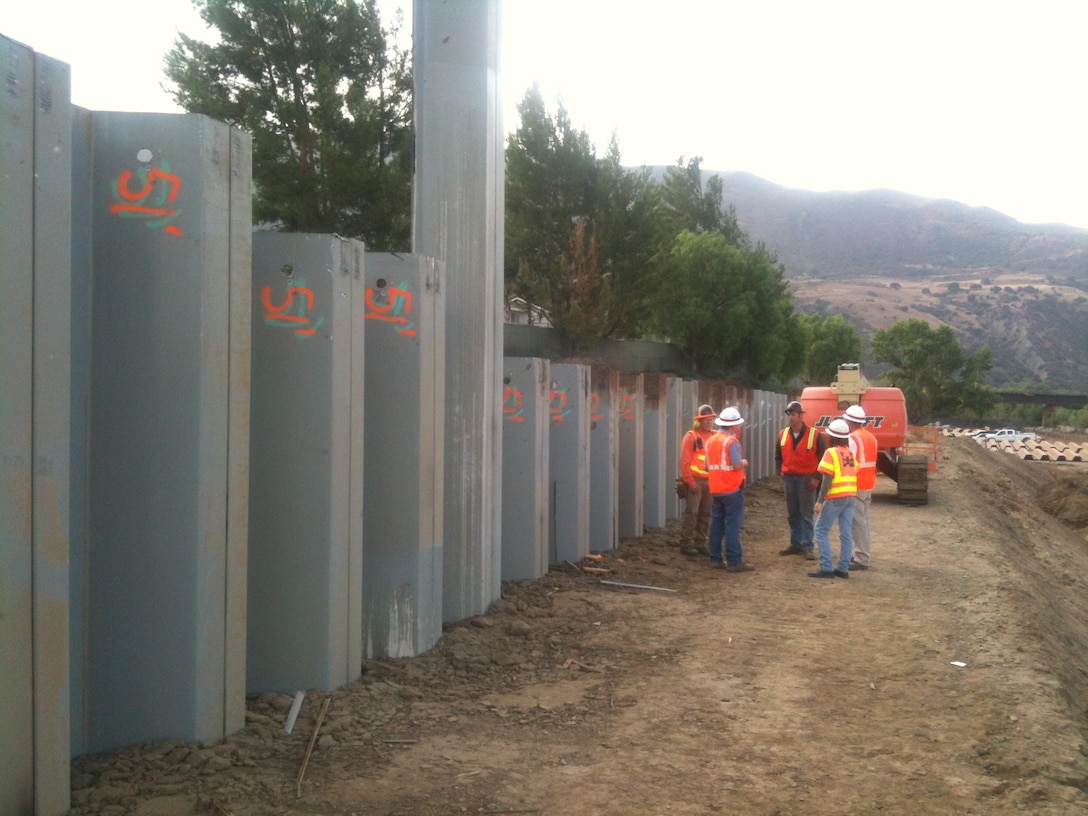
[980, 101]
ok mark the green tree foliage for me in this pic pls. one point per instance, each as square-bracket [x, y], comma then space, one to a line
[629, 227]
[697, 305]
[561, 201]
[327, 97]
[551, 171]
[691, 205]
[1069, 418]
[551, 174]
[1030, 415]
[774, 350]
[607, 252]
[936, 376]
[830, 341]
[583, 293]
[727, 308]
[710, 273]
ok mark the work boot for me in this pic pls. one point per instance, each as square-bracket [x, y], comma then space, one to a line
[687, 549]
[741, 567]
[792, 549]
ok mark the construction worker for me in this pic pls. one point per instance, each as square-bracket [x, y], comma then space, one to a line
[797, 456]
[695, 526]
[835, 501]
[726, 465]
[864, 446]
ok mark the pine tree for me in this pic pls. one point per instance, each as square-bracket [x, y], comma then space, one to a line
[327, 97]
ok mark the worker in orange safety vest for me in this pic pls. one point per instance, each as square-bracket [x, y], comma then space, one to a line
[797, 455]
[865, 448]
[726, 466]
[695, 526]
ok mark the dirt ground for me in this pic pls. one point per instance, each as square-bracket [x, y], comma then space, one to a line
[948, 679]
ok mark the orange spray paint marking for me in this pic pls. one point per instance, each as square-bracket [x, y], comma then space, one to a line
[134, 208]
[595, 407]
[159, 188]
[301, 298]
[391, 305]
[512, 405]
[557, 406]
[278, 310]
[149, 179]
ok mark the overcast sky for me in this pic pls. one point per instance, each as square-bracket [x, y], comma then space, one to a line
[980, 101]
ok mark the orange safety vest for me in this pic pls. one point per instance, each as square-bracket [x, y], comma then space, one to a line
[865, 447]
[803, 459]
[839, 462]
[693, 453]
[725, 477]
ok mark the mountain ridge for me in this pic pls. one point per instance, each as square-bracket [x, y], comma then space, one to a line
[879, 256]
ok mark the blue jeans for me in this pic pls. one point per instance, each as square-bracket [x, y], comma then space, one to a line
[726, 515]
[799, 509]
[841, 510]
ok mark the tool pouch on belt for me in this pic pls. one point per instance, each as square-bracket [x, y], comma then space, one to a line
[681, 488]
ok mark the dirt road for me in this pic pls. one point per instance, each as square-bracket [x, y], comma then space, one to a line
[948, 679]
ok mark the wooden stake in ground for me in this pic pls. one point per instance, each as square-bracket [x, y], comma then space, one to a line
[310, 748]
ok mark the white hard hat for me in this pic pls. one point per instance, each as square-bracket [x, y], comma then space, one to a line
[729, 417]
[838, 428]
[855, 413]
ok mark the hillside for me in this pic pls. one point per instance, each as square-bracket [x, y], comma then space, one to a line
[881, 256]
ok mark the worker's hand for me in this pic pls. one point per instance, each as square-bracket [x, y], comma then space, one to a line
[812, 484]
[817, 507]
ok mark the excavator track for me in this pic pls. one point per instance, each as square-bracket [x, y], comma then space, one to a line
[912, 479]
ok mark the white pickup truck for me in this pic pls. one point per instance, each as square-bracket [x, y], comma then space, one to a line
[1007, 435]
